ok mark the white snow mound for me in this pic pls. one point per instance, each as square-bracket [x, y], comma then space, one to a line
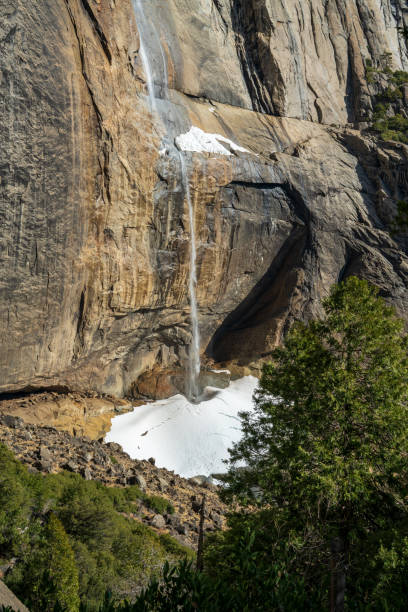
[187, 438]
[198, 141]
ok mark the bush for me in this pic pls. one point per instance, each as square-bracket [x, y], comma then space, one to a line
[388, 120]
[400, 77]
[159, 504]
[391, 94]
[398, 123]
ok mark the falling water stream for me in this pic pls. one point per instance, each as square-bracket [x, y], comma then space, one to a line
[194, 365]
[146, 29]
[138, 8]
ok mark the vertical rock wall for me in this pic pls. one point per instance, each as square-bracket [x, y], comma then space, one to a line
[94, 233]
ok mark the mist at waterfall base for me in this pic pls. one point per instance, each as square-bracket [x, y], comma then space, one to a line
[190, 439]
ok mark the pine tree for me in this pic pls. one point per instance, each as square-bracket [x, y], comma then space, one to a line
[63, 572]
[326, 448]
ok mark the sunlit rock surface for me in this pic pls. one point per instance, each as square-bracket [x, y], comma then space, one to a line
[94, 240]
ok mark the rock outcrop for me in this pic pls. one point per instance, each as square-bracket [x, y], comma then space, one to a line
[78, 414]
[94, 234]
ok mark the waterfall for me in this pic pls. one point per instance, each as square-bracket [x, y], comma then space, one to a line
[143, 25]
[146, 30]
[194, 365]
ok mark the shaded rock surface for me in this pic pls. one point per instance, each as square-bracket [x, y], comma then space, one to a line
[47, 450]
[94, 231]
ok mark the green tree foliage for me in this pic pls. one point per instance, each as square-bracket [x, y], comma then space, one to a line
[159, 504]
[63, 570]
[184, 589]
[326, 451]
[47, 523]
[389, 114]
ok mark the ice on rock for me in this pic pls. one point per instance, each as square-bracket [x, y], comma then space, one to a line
[188, 438]
[198, 141]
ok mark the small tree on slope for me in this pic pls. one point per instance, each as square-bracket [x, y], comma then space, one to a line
[327, 446]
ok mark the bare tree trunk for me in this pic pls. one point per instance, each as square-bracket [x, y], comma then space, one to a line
[338, 576]
[200, 546]
[332, 586]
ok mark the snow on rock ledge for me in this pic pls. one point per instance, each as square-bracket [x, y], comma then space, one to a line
[198, 141]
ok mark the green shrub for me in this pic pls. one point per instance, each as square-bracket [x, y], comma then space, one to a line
[380, 111]
[159, 504]
[370, 71]
[400, 77]
[398, 123]
[391, 94]
[387, 134]
[388, 121]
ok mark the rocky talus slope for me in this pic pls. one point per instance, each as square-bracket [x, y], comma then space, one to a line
[47, 450]
[94, 230]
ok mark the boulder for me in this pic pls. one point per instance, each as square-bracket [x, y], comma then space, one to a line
[113, 446]
[158, 521]
[45, 454]
[216, 519]
[215, 378]
[163, 484]
[45, 466]
[172, 519]
[87, 474]
[13, 422]
[137, 479]
[202, 481]
[71, 466]
[182, 529]
[26, 435]
[101, 458]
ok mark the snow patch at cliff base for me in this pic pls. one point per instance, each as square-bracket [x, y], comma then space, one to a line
[188, 438]
[198, 141]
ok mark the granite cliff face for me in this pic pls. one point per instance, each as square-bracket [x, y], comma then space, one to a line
[94, 232]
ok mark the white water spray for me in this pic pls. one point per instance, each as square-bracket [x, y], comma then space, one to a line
[144, 28]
